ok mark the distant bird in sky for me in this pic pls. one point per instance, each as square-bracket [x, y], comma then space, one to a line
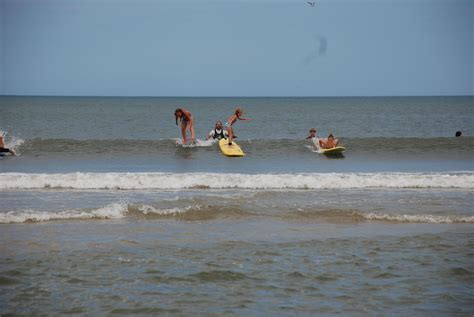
[311, 3]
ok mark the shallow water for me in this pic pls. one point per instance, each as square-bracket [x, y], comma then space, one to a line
[239, 267]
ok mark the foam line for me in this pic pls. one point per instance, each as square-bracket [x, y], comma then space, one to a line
[132, 181]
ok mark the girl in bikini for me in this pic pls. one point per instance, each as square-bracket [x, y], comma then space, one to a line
[232, 119]
[186, 122]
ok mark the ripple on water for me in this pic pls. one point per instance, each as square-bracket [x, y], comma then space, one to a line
[143, 310]
[5, 281]
[217, 276]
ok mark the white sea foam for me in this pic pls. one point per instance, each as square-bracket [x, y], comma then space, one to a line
[111, 211]
[131, 181]
[11, 142]
[115, 210]
[197, 143]
[146, 209]
[419, 218]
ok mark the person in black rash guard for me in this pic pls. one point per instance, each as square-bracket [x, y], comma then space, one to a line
[3, 149]
[217, 133]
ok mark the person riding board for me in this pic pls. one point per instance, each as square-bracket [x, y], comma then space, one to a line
[329, 143]
[186, 122]
[218, 132]
[232, 119]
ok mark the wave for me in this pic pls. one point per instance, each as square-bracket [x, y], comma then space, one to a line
[11, 142]
[197, 143]
[197, 212]
[335, 215]
[115, 210]
[262, 147]
[419, 218]
[135, 181]
[194, 212]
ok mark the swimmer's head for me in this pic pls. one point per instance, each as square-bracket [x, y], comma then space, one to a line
[458, 133]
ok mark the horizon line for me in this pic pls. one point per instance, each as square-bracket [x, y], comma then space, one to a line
[289, 96]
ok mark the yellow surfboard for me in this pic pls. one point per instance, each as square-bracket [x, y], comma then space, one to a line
[333, 151]
[230, 150]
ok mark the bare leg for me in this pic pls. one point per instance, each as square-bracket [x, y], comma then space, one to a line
[184, 125]
[191, 129]
[230, 131]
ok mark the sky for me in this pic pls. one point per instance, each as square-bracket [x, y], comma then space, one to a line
[236, 48]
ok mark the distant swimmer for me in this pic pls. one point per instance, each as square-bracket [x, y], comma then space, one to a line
[3, 149]
[187, 122]
[458, 134]
[232, 119]
[311, 3]
[218, 132]
[329, 143]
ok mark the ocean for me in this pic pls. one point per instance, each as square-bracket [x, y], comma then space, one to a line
[104, 212]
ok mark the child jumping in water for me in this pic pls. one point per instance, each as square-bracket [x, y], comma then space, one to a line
[186, 122]
[232, 119]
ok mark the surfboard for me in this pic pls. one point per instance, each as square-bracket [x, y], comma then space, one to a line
[230, 150]
[333, 151]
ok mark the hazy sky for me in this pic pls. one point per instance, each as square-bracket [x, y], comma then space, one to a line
[236, 48]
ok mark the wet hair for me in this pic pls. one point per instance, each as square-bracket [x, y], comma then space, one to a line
[330, 136]
[178, 110]
[458, 133]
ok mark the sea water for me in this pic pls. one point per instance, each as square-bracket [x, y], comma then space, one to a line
[105, 212]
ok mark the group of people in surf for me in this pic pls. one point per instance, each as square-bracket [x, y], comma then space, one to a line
[324, 143]
[226, 131]
[219, 131]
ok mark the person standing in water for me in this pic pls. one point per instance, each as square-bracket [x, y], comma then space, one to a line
[312, 134]
[232, 119]
[187, 122]
[3, 149]
[218, 132]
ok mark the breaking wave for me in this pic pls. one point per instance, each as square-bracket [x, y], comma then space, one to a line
[262, 147]
[133, 181]
[203, 212]
[121, 210]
